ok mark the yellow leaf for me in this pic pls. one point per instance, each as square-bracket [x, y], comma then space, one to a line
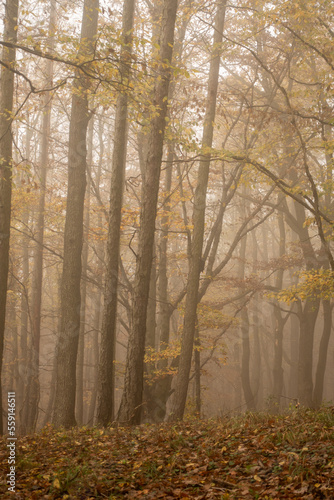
[257, 478]
[56, 484]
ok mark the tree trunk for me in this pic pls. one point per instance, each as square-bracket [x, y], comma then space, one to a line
[257, 370]
[245, 340]
[307, 313]
[6, 109]
[237, 393]
[49, 410]
[98, 294]
[160, 391]
[95, 359]
[150, 345]
[323, 350]
[307, 320]
[197, 359]
[37, 280]
[161, 388]
[24, 319]
[293, 372]
[245, 360]
[64, 411]
[106, 387]
[279, 326]
[131, 403]
[196, 262]
[81, 346]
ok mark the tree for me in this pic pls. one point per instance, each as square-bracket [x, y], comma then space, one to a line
[67, 348]
[196, 262]
[6, 163]
[130, 409]
[33, 389]
[105, 411]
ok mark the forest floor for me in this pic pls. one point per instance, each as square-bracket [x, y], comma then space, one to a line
[256, 455]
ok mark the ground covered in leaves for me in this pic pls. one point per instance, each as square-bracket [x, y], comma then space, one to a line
[253, 456]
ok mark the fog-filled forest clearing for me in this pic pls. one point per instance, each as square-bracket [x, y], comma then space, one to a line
[166, 242]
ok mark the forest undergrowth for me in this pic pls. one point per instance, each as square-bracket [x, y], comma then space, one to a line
[256, 455]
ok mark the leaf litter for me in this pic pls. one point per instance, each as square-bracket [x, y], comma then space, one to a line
[256, 455]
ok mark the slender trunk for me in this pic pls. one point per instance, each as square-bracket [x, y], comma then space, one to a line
[13, 353]
[95, 358]
[308, 312]
[150, 345]
[64, 410]
[293, 372]
[197, 359]
[279, 325]
[245, 360]
[24, 320]
[307, 316]
[323, 350]
[131, 403]
[307, 320]
[327, 137]
[256, 372]
[98, 293]
[237, 384]
[36, 299]
[81, 346]
[49, 410]
[161, 387]
[151, 308]
[160, 390]
[106, 394]
[245, 340]
[6, 159]
[196, 262]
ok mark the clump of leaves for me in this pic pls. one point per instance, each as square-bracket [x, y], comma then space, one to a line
[314, 283]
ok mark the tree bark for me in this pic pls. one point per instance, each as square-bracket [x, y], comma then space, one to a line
[308, 312]
[245, 340]
[293, 372]
[323, 350]
[98, 294]
[106, 387]
[131, 403]
[81, 346]
[36, 300]
[6, 164]
[25, 312]
[64, 410]
[307, 320]
[196, 262]
[279, 325]
[257, 370]
[197, 360]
